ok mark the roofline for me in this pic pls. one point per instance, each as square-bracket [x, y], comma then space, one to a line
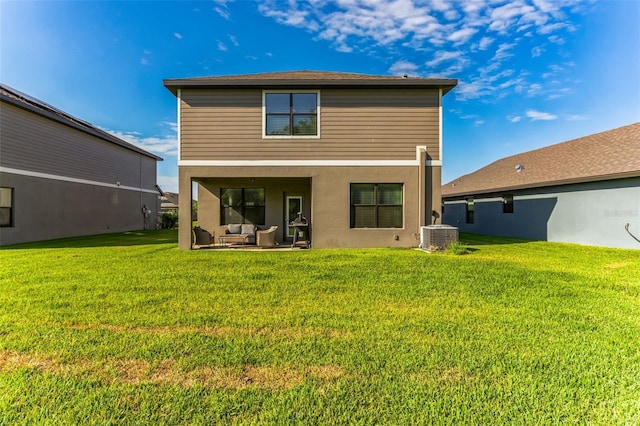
[70, 121]
[446, 84]
[499, 190]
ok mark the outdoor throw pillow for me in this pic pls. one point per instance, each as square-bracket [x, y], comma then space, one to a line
[234, 228]
[248, 229]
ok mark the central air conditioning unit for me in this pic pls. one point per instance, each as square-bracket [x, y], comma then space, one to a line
[437, 237]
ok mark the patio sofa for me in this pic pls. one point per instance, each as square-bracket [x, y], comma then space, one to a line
[247, 234]
[237, 233]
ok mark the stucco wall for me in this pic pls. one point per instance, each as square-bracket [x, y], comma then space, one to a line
[589, 213]
[328, 202]
[46, 209]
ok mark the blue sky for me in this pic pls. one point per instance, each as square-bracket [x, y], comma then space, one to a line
[531, 72]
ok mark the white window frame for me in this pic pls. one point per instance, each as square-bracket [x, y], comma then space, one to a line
[264, 115]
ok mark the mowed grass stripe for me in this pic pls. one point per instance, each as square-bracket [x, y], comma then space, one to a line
[120, 328]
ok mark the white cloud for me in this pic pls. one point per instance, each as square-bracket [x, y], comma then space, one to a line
[403, 67]
[537, 115]
[461, 36]
[454, 37]
[556, 39]
[222, 9]
[178, 36]
[485, 42]
[168, 183]
[534, 89]
[222, 47]
[233, 40]
[442, 56]
[537, 51]
[514, 118]
[222, 12]
[160, 145]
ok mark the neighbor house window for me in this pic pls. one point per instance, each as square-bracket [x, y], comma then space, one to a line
[507, 204]
[242, 205]
[376, 205]
[6, 207]
[291, 114]
[469, 210]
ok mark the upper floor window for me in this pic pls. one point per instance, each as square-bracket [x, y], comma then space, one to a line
[291, 114]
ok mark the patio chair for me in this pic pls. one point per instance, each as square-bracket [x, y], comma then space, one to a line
[266, 238]
[202, 237]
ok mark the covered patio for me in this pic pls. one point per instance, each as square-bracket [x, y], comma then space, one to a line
[251, 212]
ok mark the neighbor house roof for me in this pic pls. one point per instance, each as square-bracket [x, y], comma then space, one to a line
[309, 79]
[607, 155]
[36, 106]
[169, 200]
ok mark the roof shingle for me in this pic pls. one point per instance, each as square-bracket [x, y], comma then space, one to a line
[309, 78]
[29, 103]
[602, 156]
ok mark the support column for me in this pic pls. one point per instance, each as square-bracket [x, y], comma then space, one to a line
[185, 209]
[434, 202]
[421, 153]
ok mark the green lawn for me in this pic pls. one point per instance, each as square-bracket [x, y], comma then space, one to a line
[129, 329]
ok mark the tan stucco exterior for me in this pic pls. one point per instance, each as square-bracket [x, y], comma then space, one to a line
[325, 192]
[370, 129]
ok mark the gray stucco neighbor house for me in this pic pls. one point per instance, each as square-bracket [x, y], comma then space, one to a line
[62, 177]
[584, 191]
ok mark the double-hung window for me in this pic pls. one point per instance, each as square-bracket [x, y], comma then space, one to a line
[507, 204]
[291, 114]
[242, 205]
[376, 205]
[470, 209]
[6, 207]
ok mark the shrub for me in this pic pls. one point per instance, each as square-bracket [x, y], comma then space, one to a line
[458, 248]
[169, 220]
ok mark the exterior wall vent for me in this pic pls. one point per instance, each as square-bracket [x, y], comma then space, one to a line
[437, 237]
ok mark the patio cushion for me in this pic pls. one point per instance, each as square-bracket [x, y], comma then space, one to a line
[234, 228]
[248, 229]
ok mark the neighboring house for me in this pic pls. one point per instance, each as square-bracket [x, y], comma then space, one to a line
[169, 202]
[63, 177]
[582, 191]
[358, 155]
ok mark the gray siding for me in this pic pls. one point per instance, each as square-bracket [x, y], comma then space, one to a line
[34, 143]
[45, 209]
[381, 124]
[65, 181]
[590, 213]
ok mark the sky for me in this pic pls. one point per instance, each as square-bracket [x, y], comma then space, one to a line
[531, 72]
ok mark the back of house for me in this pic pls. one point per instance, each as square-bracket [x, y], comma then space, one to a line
[359, 156]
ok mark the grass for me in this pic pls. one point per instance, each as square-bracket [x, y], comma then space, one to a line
[128, 329]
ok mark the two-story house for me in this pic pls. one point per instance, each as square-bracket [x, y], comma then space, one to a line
[63, 177]
[359, 156]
